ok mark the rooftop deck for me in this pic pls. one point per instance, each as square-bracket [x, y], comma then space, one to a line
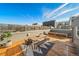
[53, 47]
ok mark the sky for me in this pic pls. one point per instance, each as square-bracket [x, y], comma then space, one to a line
[28, 13]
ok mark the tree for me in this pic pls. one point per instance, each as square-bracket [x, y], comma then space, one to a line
[35, 24]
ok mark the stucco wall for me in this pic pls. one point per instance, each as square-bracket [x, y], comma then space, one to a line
[75, 24]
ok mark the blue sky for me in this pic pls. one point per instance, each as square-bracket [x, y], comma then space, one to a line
[28, 13]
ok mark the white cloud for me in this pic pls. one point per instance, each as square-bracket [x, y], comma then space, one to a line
[76, 14]
[62, 19]
[45, 11]
[50, 14]
[66, 11]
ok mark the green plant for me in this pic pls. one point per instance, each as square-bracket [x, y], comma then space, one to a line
[7, 34]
